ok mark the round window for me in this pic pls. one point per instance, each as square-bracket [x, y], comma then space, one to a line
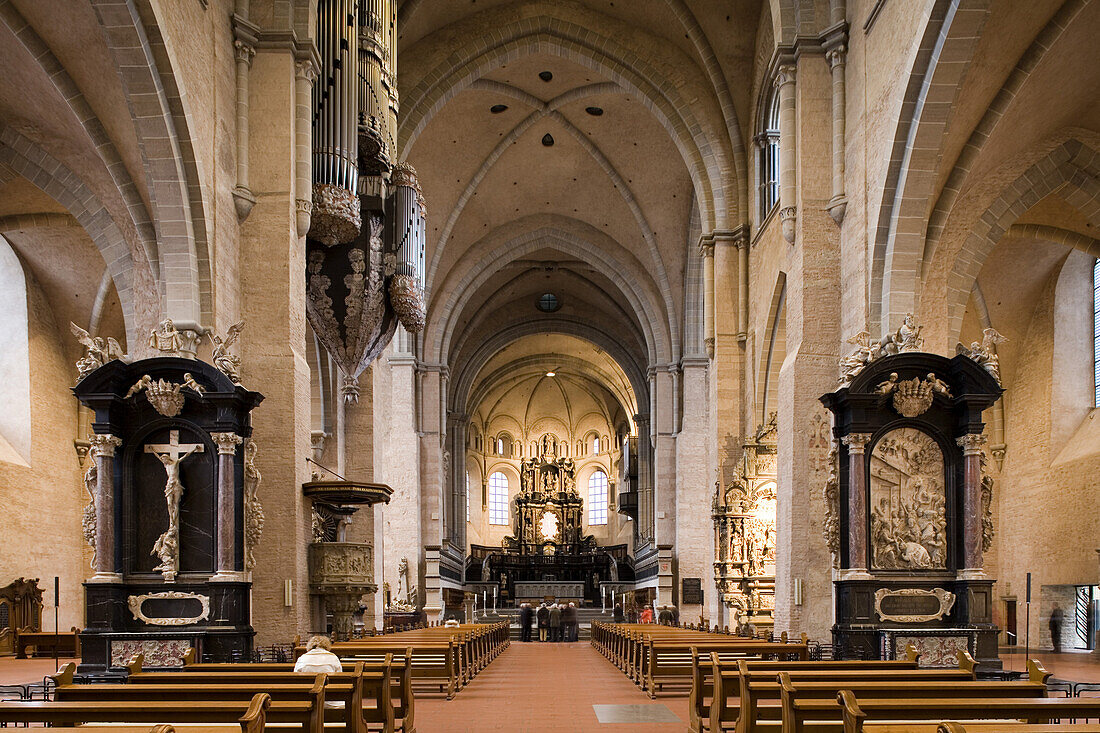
[548, 303]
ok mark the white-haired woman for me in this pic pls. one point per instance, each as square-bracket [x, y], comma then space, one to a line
[318, 657]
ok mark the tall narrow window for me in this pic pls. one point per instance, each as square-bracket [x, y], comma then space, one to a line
[767, 142]
[595, 445]
[1096, 331]
[597, 498]
[498, 499]
[467, 496]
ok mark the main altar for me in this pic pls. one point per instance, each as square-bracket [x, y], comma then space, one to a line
[548, 553]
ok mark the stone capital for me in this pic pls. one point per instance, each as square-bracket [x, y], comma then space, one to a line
[244, 51]
[706, 246]
[306, 70]
[836, 56]
[103, 444]
[856, 441]
[227, 443]
[784, 75]
[971, 443]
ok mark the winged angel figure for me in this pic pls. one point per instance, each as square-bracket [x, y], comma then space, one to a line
[227, 363]
[985, 352]
[97, 351]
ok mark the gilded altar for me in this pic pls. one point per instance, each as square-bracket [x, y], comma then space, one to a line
[744, 532]
[548, 515]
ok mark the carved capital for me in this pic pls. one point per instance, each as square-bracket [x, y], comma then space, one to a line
[971, 443]
[836, 56]
[784, 75]
[305, 70]
[243, 52]
[706, 248]
[856, 442]
[104, 445]
[227, 443]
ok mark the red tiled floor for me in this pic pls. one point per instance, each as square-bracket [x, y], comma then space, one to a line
[23, 671]
[532, 688]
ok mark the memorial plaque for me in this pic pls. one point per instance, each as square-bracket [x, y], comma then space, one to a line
[692, 593]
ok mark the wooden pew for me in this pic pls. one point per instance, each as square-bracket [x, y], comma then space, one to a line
[759, 691]
[804, 701]
[668, 662]
[1034, 710]
[251, 715]
[369, 688]
[703, 669]
[1001, 726]
[66, 643]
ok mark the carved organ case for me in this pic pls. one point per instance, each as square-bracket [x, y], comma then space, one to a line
[907, 504]
[744, 532]
[172, 515]
[548, 515]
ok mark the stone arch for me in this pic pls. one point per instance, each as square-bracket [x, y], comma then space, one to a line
[773, 350]
[704, 158]
[1072, 169]
[952, 32]
[60, 183]
[440, 331]
[158, 109]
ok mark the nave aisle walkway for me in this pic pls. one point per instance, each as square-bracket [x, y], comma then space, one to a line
[550, 688]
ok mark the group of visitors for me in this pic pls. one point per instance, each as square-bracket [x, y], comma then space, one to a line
[555, 621]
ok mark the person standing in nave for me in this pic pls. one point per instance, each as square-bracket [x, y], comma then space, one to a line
[525, 618]
[555, 623]
[543, 617]
[647, 615]
[618, 614]
[1057, 616]
[570, 620]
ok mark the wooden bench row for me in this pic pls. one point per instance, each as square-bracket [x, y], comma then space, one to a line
[659, 657]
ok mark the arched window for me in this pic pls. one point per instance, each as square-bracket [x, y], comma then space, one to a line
[597, 498]
[15, 364]
[498, 499]
[767, 142]
[595, 445]
[1096, 331]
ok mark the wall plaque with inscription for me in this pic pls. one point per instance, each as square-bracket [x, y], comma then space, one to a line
[692, 592]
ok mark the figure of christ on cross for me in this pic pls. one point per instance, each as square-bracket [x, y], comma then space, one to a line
[171, 455]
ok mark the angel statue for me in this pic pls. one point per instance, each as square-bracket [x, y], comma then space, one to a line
[97, 351]
[227, 363]
[985, 353]
[864, 353]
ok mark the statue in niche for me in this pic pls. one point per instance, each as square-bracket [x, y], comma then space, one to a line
[549, 447]
[908, 513]
[171, 455]
[548, 483]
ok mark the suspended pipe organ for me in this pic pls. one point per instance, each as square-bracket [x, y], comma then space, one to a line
[365, 250]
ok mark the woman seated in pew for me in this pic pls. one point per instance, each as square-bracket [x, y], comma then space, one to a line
[319, 657]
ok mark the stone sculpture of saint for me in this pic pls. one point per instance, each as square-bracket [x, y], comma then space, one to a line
[165, 338]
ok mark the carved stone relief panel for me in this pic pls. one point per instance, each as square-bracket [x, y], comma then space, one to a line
[907, 502]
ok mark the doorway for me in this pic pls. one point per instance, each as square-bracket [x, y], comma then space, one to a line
[1086, 598]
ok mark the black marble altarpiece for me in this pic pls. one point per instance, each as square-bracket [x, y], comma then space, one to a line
[172, 513]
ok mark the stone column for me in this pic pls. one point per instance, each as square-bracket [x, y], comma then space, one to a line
[645, 479]
[839, 202]
[227, 505]
[785, 88]
[103, 453]
[971, 557]
[242, 194]
[706, 249]
[857, 504]
[305, 71]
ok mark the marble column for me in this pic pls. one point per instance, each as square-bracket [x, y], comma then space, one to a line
[227, 506]
[788, 161]
[103, 453]
[857, 503]
[971, 557]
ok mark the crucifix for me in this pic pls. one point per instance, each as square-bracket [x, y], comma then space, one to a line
[171, 455]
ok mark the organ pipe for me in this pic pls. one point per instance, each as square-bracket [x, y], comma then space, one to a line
[407, 217]
[336, 217]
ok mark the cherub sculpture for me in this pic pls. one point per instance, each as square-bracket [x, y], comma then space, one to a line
[97, 351]
[227, 363]
[985, 353]
[865, 352]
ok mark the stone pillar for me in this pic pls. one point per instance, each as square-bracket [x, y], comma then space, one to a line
[103, 453]
[227, 506]
[664, 454]
[838, 204]
[456, 481]
[706, 249]
[695, 539]
[305, 71]
[971, 558]
[788, 160]
[645, 480]
[857, 504]
[242, 194]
